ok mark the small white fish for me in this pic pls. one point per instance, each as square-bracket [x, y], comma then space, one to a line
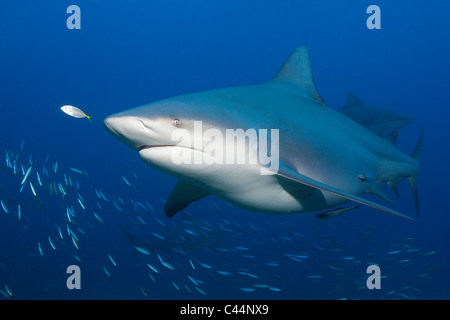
[142, 250]
[153, 268]
[68, 215]
[74, 112]
[248, 274]
[272, 264]
[51, 243]
[73, 235]
[74, 242]
[247, 289]
[204, 265]
[76, 170]
[106, 271]
[165, 264]
[193, 280]
[158, 236]
[160, 222]
[141, 205]
[81, 203]
[296, 259]
[32, 189]
[296, 256]
[112, 259]
[141, 220]
[26, 175]
[201, 291]
[4, 207]
[192, 233]
[126, 181]
[39, 179]
[4, 294]
[8, 160]
[99, 219]
[187, 288]
[40, 249]
[336, 212]
[274, 289]
[8, 290]
[336, 268]
[390, 292]
[314, 277]
[60, 233]
[103, 196]
[19, 212]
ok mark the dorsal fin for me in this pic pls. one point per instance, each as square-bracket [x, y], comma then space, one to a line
[352, 101]
[296, 72]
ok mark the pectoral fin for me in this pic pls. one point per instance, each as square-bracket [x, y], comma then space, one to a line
[289, 173]
[183, 195]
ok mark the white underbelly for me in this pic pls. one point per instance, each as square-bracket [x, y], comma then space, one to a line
[242, 185]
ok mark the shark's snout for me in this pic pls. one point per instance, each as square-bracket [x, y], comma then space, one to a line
[111, 123]
[128, 129]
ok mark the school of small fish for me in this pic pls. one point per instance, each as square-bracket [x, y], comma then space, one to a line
[56, 216]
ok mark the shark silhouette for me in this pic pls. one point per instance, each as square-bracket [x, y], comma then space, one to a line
[378, 120]
[324, 158]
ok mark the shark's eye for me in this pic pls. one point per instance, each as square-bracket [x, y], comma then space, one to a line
[176, 122]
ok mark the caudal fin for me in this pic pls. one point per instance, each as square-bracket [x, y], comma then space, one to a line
[413, 179]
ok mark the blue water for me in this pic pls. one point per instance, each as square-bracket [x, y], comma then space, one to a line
[126, 55]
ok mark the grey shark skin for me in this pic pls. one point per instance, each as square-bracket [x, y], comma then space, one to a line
[323, 154]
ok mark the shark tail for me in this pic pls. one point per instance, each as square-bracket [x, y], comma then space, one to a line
[416, 154]
[413, 179]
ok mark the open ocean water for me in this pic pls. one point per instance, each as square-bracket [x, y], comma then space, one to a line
[71, 194]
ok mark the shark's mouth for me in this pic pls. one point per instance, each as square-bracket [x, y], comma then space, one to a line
[168, 155]
[144, 147]
[154, 146]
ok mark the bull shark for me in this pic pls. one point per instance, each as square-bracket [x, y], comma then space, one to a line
[324, 159]
[378, 120]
